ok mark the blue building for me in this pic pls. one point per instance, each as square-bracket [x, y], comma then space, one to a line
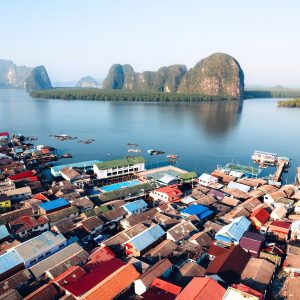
[233, 232]
[54, 205]
[135, 207]
[10, 263]
[200, 211]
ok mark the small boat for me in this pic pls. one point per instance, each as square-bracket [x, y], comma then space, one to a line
[134, 150]
[155, 152]
[87, 141]
[173, 156]
[66, 155]
[132, 144]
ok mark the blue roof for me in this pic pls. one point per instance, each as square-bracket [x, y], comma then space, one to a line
[54, 204]
[9, 260]
[201, 211]
[147, 237]
[234, 231]
[3, 232]
[135, 205]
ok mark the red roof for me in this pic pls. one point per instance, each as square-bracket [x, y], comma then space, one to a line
[5, 133]
[216, 250]
[22, 175]
[26, 223]
[166, 286]
[171, 191]
[260, 215]
[40, 197]
[281, 224]
[201, 288]
[91, 279]
[102, 254]
[69, 276]
[248, 290]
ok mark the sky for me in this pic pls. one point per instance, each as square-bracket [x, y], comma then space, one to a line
[75, 38]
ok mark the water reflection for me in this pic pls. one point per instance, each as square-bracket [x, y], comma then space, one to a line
[218, 118]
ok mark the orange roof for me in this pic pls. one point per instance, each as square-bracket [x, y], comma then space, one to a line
[171, 190]
[202, 289]
[40, 197]
[114, 284]
[166, 286]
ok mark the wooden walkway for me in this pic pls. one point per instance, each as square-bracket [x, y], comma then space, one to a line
[279, 171]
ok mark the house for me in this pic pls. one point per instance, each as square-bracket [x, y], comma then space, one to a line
[83, 204]
[295, 230]
[279, 213]
[92, 225]
[144, 217]
[144, 241]
[101, 254]
[60, 256]
[161, 289]
[237, 294]
[91, 279]
[135, 207]
[293, 288]
[202, 288]
[188, 271]
[228, 265]
[62, 215]
[200, 211]
[114, 285]
[279, 229]
[233, 232]
[162, 268]
[207, 179]
[4, 234]
[139, 264]
[10, 263]
[19, 194]
[239, 186]
[113, 216]
[181, 231]
[167, 194]
[185, 252]
[258, 274]
[70, 174]
[47, 292]
[168, 179]
[25, 225]
[40, 247]
[162, 250]
[259, 217]
[252, 242]
[69, 276]
[120, 167]
[54, 205]
[274, 196]
[291, 265]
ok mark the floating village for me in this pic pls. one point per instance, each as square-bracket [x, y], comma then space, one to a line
[114, 229]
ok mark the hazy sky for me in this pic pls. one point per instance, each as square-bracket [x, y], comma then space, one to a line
[74, 38]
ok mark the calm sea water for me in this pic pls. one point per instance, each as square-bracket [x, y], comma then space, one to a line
[203, 134]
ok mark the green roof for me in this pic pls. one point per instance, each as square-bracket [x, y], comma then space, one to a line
[188, 176]
[126, 191]
[120, 162]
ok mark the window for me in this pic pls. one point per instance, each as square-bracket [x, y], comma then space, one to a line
[48, 253]
[61, 246]
[115, 173]
[136, 169]
[108, 174]
[40, 257]
[32, 261]
[120, 172]
[130, 170]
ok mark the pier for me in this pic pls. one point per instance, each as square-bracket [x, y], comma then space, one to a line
[280, 168]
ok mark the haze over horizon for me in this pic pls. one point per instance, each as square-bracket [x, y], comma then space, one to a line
[78, 38]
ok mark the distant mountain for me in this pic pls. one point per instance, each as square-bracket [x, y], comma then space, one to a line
[87, 82]
[166, 79]
[217, 75]
[11, 75]
[38, 80]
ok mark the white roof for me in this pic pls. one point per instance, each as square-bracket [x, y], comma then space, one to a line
[187, 200]
[167, 178]
[206, 177]
[234, 294]
[236, 174]
[279, 212]
[239, 186]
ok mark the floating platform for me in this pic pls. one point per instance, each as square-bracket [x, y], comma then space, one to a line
[249, 171]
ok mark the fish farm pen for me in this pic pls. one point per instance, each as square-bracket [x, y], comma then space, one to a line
[249, 171]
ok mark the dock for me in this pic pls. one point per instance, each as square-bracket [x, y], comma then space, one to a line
[280, 167]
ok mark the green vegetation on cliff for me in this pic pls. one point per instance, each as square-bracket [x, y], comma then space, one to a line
[219, 74]
[38, 80]
[289, 103]
[121, 95]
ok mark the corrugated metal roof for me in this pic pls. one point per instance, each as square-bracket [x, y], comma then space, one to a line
[9, 260]
[135, 205]
[54, 204]
[147, 237]
[3, 232]
[118, 163]
[199, 210]
[239, 186]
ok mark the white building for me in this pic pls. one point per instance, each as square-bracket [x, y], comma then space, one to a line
[119, 167]
[40, 247]
[207, 179]
[19, 194]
